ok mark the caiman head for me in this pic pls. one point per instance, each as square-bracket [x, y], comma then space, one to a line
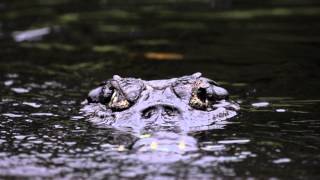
[184, 104]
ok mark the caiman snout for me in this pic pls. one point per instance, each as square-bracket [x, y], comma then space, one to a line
[164, 111]
[162, 117]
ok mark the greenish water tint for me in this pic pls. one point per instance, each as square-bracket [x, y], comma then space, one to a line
[265, 53]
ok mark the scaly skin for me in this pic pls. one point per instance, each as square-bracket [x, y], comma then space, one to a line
[159, 107]
[185, 104]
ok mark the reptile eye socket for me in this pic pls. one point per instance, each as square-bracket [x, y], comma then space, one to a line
[118, 101]
[202, 94]
[199, 99]
[105, 95]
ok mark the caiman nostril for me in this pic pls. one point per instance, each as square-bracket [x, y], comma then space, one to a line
[171, 111]
[148, 112]
[160, 110]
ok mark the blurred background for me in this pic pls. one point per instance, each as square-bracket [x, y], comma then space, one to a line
[265, 52]
[273, 42]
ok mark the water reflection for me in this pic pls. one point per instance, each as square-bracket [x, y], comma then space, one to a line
[45, 141]
[71, 149]
[31, 35]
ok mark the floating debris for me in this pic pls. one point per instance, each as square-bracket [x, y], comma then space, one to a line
[163, 56]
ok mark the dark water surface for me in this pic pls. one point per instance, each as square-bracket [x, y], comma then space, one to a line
[266, 53]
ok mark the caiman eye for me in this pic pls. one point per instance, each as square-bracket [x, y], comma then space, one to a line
[110, 97]
[118, 93]
[203, 98]
[105, 95]
[118, 101]
[199, 99]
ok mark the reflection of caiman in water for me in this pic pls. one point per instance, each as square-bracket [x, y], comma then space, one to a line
[160, 112]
